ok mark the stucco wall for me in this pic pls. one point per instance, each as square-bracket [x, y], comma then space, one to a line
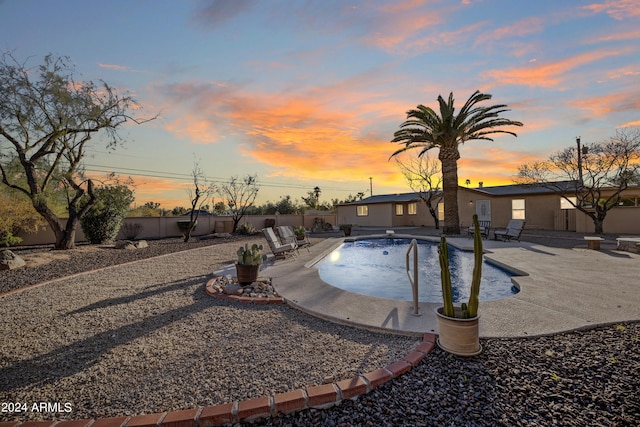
[619, 220]
[166, 226]
[380, 215]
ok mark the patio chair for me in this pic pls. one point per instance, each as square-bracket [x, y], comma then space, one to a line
[277, 248]
[512, 232]
[485, 228]
[287, 235]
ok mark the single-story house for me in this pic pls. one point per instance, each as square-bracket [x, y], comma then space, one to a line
[542, 208]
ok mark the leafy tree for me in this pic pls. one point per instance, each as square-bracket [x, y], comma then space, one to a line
[47, 119]
[284, 206]
[591, 179]
[425, 129]
[145, 210]
[178, 211]
[313, 198]
[424, 177]
[349, 199]
[219, 208]
[240, 195]
[103, 220]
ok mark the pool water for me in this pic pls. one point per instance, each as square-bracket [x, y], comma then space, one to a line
[377, 267]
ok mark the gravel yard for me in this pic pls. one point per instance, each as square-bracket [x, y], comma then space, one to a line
[144, 337]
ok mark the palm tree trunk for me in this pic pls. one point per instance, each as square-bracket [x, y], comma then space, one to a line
[449, 158]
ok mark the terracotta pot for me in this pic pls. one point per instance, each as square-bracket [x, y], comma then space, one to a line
[458, 336]
[247, 274]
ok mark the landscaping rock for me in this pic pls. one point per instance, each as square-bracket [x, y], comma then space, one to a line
[141, 244]
[10, 261]
[232, 289]
[128, 244]
[125, 244]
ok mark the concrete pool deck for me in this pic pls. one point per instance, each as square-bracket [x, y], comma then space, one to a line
[565, 289]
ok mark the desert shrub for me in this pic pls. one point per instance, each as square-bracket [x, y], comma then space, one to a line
[103, 220]
[16, 214]
[130, 230]
[8, 239]
[247, 229]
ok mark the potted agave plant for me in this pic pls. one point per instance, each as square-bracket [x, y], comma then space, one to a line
[458, 327]
[248, 265]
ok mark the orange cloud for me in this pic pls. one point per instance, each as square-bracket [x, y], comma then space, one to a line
[492, 166]
[308, 135]
[549, 74]
[630, 124]
[199, 130]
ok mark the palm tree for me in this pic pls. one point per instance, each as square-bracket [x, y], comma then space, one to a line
[424, 129]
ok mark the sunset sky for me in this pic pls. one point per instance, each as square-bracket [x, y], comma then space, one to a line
[309, 93]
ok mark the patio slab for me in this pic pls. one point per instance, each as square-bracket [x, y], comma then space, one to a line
[565, 289]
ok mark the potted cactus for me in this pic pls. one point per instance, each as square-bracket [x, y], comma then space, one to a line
[458, 327]
[248, 265]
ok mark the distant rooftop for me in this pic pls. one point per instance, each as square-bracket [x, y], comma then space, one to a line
[499, 190]
[522, 189]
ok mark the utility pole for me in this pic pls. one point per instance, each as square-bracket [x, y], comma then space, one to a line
[579, 162]
[371, 186]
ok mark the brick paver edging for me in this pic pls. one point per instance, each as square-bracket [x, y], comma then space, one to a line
[256, 300]
[322, 396]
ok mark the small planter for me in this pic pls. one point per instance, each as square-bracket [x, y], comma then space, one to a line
[247, 274]
[458, 336]
[346, 228]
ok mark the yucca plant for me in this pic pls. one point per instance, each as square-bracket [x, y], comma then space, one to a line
[470, 309]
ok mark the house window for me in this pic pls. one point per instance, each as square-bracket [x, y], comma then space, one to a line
[399, 209]
[517, 209]
[566, 204]
[362, 210]
[412, 209]
[441, 211]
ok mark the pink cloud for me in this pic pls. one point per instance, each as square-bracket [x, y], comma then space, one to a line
[628, 101]
[116, 67]
[617, 9]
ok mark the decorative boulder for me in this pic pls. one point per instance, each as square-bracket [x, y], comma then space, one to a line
[10, 261]
[125, 244]
[141, 244]
[128, 244]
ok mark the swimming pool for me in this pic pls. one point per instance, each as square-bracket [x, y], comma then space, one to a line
[377, 267]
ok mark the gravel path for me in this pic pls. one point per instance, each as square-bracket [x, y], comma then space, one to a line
[144, 337]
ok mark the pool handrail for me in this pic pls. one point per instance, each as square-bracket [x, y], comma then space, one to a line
[413, 280]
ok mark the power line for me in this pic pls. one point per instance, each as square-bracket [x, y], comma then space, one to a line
[188, 177]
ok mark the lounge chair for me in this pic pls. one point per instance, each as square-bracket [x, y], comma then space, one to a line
[512, 232]
[287, 235]
[277, 248]
[485, 228]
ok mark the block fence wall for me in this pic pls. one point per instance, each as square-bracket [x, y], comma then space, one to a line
[167, 226]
